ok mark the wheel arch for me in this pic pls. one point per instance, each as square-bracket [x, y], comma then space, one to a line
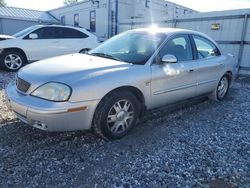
[96, 116]
[229, 74]
[18, 50]
[134, 90]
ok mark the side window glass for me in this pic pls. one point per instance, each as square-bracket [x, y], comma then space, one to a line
[45, 33]
[67, 33]
[180, 47]
[205, 48]
[38, 32]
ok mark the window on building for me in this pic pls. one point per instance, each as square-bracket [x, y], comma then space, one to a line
[93, 21]
[63, 20]
[76, 20]
[147, 2]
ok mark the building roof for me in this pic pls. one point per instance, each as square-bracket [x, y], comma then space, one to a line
[74, 4]
[26, 14]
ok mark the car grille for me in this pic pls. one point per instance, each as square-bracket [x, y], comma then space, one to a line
[22, 85]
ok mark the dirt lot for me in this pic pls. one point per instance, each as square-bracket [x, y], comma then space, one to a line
[200, 143]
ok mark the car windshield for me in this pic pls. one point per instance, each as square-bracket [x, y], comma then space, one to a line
[130, 47]
[25, 31]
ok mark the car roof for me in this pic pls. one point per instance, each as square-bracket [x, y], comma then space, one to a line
[169, 31]
[166, 30]
[63, 26]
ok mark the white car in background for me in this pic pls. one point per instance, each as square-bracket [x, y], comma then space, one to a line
[5, 37]
[41, 42]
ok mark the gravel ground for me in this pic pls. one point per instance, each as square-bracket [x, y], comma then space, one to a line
[199, 143]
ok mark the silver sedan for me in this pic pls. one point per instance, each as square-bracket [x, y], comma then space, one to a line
[109, 88]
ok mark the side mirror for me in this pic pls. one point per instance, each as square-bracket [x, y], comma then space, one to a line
[33, 36]
[169, 59]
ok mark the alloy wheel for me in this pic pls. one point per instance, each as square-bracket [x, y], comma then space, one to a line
[120, 116]
[223, 87]
[13, 61]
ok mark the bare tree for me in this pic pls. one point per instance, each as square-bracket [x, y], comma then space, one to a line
[69, 2]
[2, 3]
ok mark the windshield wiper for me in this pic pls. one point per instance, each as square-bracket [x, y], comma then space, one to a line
[105, 56]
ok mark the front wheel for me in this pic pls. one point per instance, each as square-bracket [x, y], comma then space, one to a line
[12, 60]
[221, 90]
[116, 114]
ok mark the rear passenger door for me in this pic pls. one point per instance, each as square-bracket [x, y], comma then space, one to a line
[71, 40]
[210, 64]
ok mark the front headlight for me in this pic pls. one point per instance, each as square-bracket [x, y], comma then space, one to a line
[53, 91]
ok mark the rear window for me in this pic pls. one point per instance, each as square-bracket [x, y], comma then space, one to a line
[205, 48]
[68, 33]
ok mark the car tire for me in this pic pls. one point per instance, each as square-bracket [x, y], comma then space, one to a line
[12, 60]
[221, 90]
[116, 115]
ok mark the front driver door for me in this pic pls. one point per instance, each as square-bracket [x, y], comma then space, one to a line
[174, 81]
[45, 46]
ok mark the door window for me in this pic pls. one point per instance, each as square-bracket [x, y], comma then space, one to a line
[68, 33]
[205, 48]
[180, 47]
[44, 33]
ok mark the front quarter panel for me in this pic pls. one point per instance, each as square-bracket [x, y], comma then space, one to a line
[96, 85]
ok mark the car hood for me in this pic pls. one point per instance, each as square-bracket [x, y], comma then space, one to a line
[5, 37]
[70, 68]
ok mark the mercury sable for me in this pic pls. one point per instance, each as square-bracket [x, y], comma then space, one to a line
[110, 88]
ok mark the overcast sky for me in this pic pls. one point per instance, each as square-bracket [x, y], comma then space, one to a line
[203, 6]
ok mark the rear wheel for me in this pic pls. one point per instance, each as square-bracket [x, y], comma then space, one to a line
[116, 115]
[12, 60]
[222, 89]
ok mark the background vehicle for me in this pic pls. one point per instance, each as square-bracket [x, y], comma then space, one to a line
[43, 41]
[5, 37]
[110, 88]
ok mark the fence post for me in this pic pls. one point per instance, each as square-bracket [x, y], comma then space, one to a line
[174, 23]
[132, 23]
[242, 41]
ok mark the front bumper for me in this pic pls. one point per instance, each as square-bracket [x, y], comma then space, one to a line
[50, 116]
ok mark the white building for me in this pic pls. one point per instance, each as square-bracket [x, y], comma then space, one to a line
[103, 16]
